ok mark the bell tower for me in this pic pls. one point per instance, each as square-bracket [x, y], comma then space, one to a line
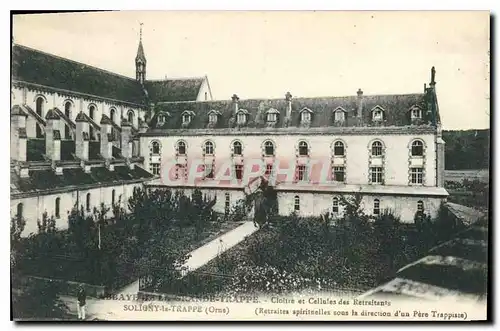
[140, 60]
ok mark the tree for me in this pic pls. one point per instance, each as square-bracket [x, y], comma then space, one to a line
[38, 300]
[388, 233]
[17, 225]
[31, 299]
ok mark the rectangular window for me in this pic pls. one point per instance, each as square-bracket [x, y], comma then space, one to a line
[335, 208]
[180, 171]
[376, 175]
[186, 118]
[302, 172]
[415, 113]
[377, 115]
[238, 169]
[272, 117]
[339, 116]
[227, 204]
[306, 117]
[269, 170]
[242, 118]
[417, 175]
[338, 174]
[296, 205]
[376, 207]
[209, 171]
[212, 118]
[155, 168]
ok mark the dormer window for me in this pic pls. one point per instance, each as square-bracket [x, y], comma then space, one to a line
[241, 118]
[187, 116]
[416, 113]
[272, 115]
[161, 119]
[212, 118]
[377, 114]
[339, 116]
[305, 116]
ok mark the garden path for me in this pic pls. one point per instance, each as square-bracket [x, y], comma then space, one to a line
[109, 309]
[206, 253]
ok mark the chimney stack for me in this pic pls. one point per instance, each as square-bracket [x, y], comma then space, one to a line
[106, 138]
[52, 136]
[235, 103]
[126, 134]
[18, 136]
[288, 112]
[433, 77]
[82, 136]
[359, 104]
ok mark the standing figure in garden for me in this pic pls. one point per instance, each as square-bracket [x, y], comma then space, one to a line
[80, 306]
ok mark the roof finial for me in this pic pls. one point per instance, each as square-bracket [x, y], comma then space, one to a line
[140, 31]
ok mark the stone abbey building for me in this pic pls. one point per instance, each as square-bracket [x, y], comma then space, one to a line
[84, 136]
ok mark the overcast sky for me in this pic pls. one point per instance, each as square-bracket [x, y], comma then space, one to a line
[266, 54]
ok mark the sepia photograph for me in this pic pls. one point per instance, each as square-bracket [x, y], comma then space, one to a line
[250, 166]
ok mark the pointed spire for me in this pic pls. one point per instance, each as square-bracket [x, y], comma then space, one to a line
[140, 50]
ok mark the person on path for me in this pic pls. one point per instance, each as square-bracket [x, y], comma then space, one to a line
[80, 305]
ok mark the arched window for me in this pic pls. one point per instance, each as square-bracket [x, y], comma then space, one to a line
[39, 106]
[338, 148]
[420, 206]
[296, 203]
[67, 112]
[20, 210]
[58, 208]
[237, 148]
[417, 148]
[87, 205]
[335, 208]
[113, 194]
[39, 132]
[303, 148]
[155, 147]
[67, 109]
[181, 148]
[268, 148]
[209, 148]
[112, 113]
[376, 207]
[377, 148]
[130, 116]
[92, 111]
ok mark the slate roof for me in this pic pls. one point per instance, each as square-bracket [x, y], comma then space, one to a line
[46, 180]
[172, 90]
[37, 67]
[35, 148]
[396, 111]
[454, 269]
[41, 68]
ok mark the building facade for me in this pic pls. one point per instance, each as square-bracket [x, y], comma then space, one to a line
[85, 136]
[75, 132]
